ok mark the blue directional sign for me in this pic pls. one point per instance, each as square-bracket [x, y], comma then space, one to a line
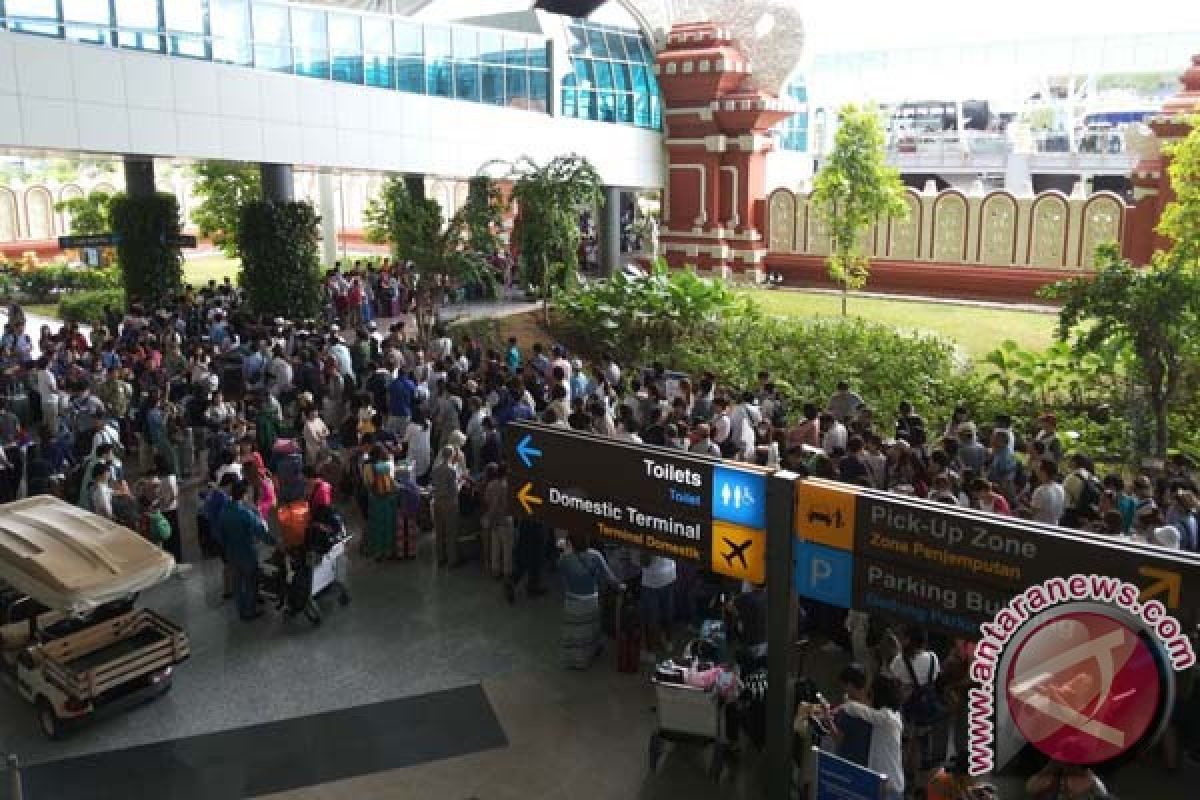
[526, 451]
[825, 574]
[839, 779]
[739, 497]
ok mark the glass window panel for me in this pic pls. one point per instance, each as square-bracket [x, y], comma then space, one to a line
[138, 24]
[641, 110]
[310, 43]
[345, 48]
[597, 44]
[584, 75]
[577, 40]
[621, 77]
[515, 52]
[633, 47]
[93, 13]
[377, 71]
[587, 105]
[185, 28]
[493, 84]
[655, 112]
[491, 47]
[437, 42]
[641, 79]
[537, 54]
[625, 107]
[570, 102]
[26, 16]
[604, 78]
[272, 39]
[466, 44]
[377, 35]
[408, 40]
[230, 25]
[439, 79]
[516, 87]
[608, 106]
[539, 90]
[466, 81]
[616, 45]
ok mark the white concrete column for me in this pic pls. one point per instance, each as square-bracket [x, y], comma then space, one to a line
[329, 218]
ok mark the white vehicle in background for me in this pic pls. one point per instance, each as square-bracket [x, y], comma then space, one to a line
[71, 641]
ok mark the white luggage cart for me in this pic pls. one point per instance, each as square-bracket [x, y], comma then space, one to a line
[688, 715]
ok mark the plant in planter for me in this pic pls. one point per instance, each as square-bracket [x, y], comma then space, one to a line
[281, 265]
[151, 268]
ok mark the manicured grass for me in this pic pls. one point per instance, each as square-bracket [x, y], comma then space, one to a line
[199, 271]
[976, 330]
[42, 310]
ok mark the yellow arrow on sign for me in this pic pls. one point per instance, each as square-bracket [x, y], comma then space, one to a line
[1166, 582]
[528, 499]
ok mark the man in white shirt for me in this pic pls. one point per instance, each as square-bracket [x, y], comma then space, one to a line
[341, 354]
[47, 388]
[102, 492]
[833, 434]
[612, 371]
[1048, 500]
[279, 373]
[656, 602]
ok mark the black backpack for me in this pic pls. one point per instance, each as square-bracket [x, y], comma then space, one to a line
[1089, 495]
[924, 706]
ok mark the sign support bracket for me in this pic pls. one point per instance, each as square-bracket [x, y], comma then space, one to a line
[781, 633]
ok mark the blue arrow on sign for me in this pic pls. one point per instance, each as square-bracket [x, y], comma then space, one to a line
[527, 452]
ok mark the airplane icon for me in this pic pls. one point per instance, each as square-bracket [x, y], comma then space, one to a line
[737, 551]
[833, 520]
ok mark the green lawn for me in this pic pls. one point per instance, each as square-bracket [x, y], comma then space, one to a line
[976, 330]
[199, 271]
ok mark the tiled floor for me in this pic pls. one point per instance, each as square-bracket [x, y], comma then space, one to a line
[412, 630]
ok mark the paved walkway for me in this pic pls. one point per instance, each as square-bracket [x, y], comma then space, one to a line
[946, 301]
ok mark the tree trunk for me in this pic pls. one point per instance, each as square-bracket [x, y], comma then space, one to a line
[545, 289]
[1162, 433]
[845, 295]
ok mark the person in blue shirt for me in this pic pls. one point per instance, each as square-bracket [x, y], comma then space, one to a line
[214, 503]
[240, 527]
[401, 392]
[512, 356]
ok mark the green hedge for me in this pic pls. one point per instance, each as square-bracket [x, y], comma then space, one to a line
[151, 269]
[42, 284]
[88, 307]
[281, 266]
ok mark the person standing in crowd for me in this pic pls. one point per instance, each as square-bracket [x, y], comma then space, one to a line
[584, 570]
[843, 402]
[446, 481]
[498, 521]
[1048, 501]
[382, 502]
[240, 529]
[916, 669]
[885, 751]
[656, 603]
[168, 505]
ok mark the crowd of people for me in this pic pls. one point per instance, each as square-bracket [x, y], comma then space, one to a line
[350, 413]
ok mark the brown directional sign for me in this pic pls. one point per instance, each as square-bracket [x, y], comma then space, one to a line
[686, 507]
[952, 568]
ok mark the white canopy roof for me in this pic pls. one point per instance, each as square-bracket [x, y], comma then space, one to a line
[73, 560]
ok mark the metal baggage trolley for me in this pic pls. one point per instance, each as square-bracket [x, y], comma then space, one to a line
[688, 715]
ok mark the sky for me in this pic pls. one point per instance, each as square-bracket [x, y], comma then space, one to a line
[841, 25]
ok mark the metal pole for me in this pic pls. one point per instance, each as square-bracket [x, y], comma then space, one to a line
[781, 633]
[14, 778]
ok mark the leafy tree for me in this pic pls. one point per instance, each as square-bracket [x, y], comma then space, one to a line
[223, 187]
[88, 214]
[1181, 218]
[281, 265]
[438, 250]
[549, 199]
[1152, 311]
[855, 188]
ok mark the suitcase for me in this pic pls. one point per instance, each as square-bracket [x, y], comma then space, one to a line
[289, 475]
[286, 447]
[294, 518]
[629, 635]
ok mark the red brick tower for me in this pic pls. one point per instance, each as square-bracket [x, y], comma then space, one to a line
[717, 138]
[1151, 182]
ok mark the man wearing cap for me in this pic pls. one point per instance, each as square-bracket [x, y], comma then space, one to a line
[971, 454]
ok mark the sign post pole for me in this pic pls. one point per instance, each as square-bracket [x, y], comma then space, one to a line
[781, 632]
